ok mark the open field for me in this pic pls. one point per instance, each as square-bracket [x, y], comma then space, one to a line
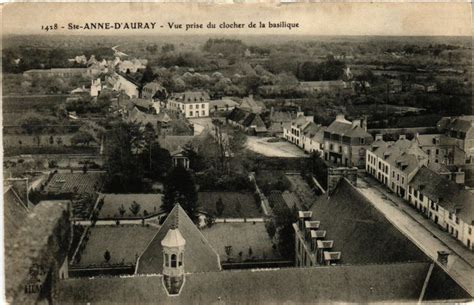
[232, 201]
[125, 244]
[241, 237]
[150, 204]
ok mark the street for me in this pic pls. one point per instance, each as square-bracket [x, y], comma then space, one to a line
[397, 212]
[281, 148]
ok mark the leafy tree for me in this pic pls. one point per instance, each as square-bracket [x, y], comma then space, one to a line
[210, 220]
[82, 137]
[284, 219]
[148, 75]
[135, 208]
[219, 206]
[168, 47]
[121, 210]
[179, 187]
[107, 256]
[271, 229]
[123, 165]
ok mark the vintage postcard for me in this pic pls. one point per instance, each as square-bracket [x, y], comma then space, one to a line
[257, 153]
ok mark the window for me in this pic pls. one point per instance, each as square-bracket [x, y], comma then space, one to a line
[191, 106]
[457, 219]
[167, 260]
[362, 141]
[469, 230]
[421, 196]
[428, 151]
[437, 151]
[203, 112]
[173, 260]
[190, 113]
[380, 165]
[403, 180]
[203, 105]
[450, 216]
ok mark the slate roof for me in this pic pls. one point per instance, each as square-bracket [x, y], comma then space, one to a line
[191, 97]
[222, 104]
[461, 123]
[139, 117]
[247, 119]
[198, 254]
[400, 282]
[449, 195]
[345, 128]
[403, 154]
[360, 231]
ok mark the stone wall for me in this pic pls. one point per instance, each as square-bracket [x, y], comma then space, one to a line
[34, 256]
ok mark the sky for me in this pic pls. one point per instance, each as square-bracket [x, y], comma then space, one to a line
[398, 19]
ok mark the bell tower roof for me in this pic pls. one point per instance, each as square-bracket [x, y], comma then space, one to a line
[173, 239]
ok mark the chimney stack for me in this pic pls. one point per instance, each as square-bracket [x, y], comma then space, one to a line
[402, 137]
[302, 217]
[340, 117]
[355, 123]
[379, 137]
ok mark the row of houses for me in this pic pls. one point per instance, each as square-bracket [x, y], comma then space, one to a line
[432, 188]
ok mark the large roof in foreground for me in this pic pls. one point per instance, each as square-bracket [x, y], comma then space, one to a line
[401, 282]
[360, 231]
[198, 254]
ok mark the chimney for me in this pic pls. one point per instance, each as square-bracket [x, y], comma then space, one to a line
[20, 186]
[402, 137]
[340, 117]
[379, 137]
[302, 217]
[443, 257]
[309, 227]
[299, 113]
[321, 246]
[355, 123]
[363, 123]
[331, 258]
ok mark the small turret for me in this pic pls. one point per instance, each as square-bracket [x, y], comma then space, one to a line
[173, 260]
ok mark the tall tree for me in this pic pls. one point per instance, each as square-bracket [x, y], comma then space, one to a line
[124, 170]
[180, 188]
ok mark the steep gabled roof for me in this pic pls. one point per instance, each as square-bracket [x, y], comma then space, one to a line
[360, 231]
[448, 194]
[198, 254]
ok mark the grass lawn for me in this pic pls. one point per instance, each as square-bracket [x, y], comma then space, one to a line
[151, 203]
[124, 243]
[241, 236]
[236, 204]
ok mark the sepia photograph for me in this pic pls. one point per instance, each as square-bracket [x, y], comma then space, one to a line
[243, 153]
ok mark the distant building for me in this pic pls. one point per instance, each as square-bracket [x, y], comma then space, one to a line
[222, 105]
[304, 133]
[461, 131]
[324, 86]
[279, 120]
[61, 72]
[395, 164]
[124, 83]
[251, 105]
[96, 87]
[193, 104]
[247, 121]
[443, 201]
[178, 158]
[131, 66]
[345, 142]
[155, 91]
